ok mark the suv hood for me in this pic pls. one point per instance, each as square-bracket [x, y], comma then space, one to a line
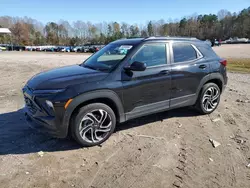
[60, 78]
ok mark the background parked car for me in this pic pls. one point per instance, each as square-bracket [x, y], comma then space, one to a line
[86, 48]
[237, 40]
[216, 43]
[77, 49]
[65, 49]
[93, 49]
[38, 48]
[17, 48]
[49, 48]
[58, 48]
[2, 48]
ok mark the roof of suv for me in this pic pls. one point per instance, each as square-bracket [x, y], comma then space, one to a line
[133, 41]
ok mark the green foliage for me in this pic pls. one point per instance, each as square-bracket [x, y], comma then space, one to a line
[150, 29]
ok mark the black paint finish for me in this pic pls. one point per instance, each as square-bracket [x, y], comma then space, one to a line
[130, 93]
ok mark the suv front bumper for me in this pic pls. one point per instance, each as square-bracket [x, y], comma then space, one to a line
[39, 116]
[46, 124]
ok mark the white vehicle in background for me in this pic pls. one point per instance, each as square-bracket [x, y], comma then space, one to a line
[29, 48]
[2, 48]
[77, 49]
[236, 40]
[243, 40]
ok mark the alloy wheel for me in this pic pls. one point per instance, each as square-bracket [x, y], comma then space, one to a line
[95, 126]
[210, 99]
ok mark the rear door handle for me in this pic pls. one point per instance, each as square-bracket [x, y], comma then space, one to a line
[165, 72]
[203, 66]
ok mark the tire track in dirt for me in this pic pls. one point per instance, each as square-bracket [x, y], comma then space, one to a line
[192, 161]
[130, 165]
[180, 170]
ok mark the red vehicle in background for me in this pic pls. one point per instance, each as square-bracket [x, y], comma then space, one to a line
[94, 48]
[220, 42]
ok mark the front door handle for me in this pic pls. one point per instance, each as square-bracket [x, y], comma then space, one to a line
[203, 66]
[165, 72]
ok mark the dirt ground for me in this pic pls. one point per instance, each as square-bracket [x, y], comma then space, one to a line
[233, 51]
[169, 149]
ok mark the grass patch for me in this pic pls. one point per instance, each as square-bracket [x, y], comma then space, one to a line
[238, 65]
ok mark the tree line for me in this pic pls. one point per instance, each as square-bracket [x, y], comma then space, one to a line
[28, 31]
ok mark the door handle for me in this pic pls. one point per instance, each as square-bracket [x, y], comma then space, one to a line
[165, 72]
[203, 66]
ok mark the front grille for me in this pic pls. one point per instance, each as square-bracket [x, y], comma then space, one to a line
[30, 105]
[30, 89]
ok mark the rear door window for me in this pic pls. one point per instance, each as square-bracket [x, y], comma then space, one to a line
[183, 52]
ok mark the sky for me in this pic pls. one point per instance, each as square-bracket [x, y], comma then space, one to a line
[130, 11]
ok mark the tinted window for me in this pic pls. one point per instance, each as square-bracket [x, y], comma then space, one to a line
[183, 52]
[108, 57]
[151, 54]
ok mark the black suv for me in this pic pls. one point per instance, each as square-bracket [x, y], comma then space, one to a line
[126, 79]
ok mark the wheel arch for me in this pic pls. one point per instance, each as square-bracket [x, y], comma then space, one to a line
[216, 78]
[107, 97]
[216, 81]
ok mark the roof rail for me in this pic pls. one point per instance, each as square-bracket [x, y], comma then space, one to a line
[169, 38]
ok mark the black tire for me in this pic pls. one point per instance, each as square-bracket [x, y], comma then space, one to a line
[199, 103]
[76, 123]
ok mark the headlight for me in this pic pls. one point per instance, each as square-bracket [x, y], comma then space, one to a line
[53, 91]
[49, 104]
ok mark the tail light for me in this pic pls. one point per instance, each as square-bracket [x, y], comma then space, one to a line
[223, 62]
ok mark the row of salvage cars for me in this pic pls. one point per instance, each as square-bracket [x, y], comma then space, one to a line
[50, 48]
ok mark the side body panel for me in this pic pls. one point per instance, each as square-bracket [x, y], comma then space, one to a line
[186, 78]
[147, 91]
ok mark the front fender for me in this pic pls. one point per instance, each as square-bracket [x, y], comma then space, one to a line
[108, 94]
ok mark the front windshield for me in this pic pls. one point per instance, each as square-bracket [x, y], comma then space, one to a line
[108, 57]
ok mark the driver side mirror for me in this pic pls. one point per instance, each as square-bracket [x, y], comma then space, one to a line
[136, 66]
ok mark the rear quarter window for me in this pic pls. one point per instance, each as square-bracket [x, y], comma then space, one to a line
[207, 51]
[183, 52]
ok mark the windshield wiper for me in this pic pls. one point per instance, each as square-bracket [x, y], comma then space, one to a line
[89, 67]
[95, 68]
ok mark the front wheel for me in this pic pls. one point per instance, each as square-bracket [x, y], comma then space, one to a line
[209, 98]
[93, 124]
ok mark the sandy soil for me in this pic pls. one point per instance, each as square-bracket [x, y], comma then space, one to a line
[169, 149]
[233, 51]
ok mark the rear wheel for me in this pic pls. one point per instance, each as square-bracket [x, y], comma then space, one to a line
[93, 124]
[209, 98]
